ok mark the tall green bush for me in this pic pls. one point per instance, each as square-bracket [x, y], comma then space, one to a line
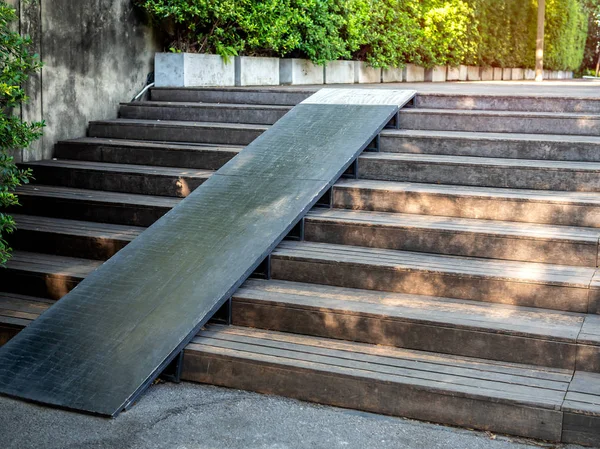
[17, 62]
[382, 32]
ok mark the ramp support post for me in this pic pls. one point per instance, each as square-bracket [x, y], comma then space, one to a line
[172, 372]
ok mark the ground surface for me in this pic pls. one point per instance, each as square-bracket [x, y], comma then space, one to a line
[190, 416]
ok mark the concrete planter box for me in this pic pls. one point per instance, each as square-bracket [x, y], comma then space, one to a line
[436, 74]
[392, 75]
[529, 74]
[300, 71]
[497, 74]
[457, 73]
[253, 71]
[192, 70]
[473, 73]
[506, 74]
[413, 73]
[517, 74]
[487, 74]
[363, 73]
[339, 72]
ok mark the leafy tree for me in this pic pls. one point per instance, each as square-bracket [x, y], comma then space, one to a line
[17, 62]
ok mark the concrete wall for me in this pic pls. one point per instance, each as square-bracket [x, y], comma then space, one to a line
[96, 53]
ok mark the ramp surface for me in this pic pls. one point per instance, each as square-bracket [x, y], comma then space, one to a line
[106, 341]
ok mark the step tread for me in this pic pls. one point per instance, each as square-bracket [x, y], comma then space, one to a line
[21, 307]
[583, 395]
[436, 311]
[501, 113]
[191, 104]
[590, 332]
[77, 227]
[523, 272]
[68, 193]
[52, 265]
[547, 196]
[487, 136]
[486, 161]
[178, 124]
[151, 144]
[452, 375]
[451, 224]
[122, 168]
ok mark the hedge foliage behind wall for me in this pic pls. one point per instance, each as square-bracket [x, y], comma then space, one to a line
[383, 32]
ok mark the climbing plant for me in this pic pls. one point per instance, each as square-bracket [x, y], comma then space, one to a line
[17, 63]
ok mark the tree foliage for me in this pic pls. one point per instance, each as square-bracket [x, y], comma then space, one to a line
[382, 32]
[17, 62]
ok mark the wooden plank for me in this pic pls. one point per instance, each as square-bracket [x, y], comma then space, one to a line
[469, 328]
[548, 286]
[366, 389]
[582, 409]
[99, 347]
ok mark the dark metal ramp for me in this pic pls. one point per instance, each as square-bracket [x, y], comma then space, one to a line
[101, 345]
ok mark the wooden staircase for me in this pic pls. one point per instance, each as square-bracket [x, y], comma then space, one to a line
[455, 280]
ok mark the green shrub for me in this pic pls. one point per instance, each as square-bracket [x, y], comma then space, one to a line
[392, 35]
[450, 34]
[382, 32]
[310, 28]
[16, 64]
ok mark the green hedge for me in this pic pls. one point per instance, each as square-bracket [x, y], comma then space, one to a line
[382, 32]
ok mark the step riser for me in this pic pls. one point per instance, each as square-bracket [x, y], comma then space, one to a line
[281, 98]
[448, 285]
[452, 243]
[498, 103]
[369, 395]
[37, 284]
[512, 149]
[203, 114]
[479, 123]
[204, 160]
[159, 133]
[449, 205]
[66, 244]
[7, 332]
[486, 176]
[142, 184]
[126, 214]
[385, 330]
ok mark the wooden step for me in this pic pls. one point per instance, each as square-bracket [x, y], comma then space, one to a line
[203, 112]
[583, 124]
[556, 287]
[504, 240]
[44, 275]
[176, 131]
[588, 354]
[93, 205]
[527, 206]
[581, 423]
[125, 178]
[443, 325]
[252, 95]
[481, 171]
[123, 151]
[515, 146]
[17, 311]
[515, 399]
[522, 103]
[72, 238]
